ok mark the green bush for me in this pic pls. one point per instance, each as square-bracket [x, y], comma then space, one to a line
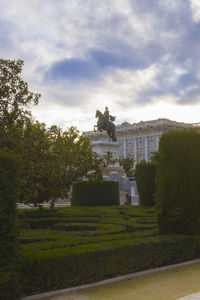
[40, 223]
[76, 226]
[178, 182]
[45, 270]
[107, 241]
[125, 240]
[145, 174]
[95, 193]
[98, 228]
[9, 251]
[36, 213]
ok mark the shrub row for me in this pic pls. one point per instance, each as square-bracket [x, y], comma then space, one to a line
[48, 239]
[9, 251]
[52, 223]
[95, 193]
[145, 174]
[40, 223]
[85, 212]
[100, 228]
[62, 268]
[76, 226]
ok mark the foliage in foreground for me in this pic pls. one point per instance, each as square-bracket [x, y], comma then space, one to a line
[177, 182]
[90, 244]
[9, 251]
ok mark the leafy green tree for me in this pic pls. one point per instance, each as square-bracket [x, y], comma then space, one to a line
[15, 100]
[74, 153]
[38, 164]
[14, 94]
[53, 159]
[127, 164]
[96, 163]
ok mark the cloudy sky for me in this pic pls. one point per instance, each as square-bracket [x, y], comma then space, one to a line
[141, 58]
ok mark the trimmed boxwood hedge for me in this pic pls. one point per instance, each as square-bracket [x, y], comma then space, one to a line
[95, 193]
[9, 250]
[40, 223]
[126, 240]
[97, 227]
[178, 182]
[145, 174]
[47, 270]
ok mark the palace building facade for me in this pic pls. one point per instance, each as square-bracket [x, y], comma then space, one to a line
[140, 140]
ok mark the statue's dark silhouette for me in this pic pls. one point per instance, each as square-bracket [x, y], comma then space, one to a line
[104, 123]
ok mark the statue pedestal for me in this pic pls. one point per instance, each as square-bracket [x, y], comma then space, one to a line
[102, 147]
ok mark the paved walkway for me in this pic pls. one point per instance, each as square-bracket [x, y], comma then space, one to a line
[159, 284]
[191, 297]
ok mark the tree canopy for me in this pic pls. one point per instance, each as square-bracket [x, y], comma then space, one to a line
[51, 158]
[14, 94]
[127, 164]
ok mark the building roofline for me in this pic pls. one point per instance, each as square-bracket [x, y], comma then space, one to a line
[125, 125]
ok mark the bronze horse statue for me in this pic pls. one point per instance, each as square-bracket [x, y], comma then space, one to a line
[108, 126]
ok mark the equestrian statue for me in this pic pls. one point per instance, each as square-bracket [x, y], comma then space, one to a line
[105, 122]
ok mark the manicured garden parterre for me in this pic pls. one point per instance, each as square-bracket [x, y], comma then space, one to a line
[66, 247]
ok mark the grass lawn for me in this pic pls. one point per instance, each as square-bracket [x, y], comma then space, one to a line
[164, 285]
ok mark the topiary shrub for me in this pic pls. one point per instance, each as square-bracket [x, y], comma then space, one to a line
[145, 174]
[178, 182]
[95, 193]
[63, 268]
[9, 253]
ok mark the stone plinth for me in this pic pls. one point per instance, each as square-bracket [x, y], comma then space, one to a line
[102, 147]
[113, 169]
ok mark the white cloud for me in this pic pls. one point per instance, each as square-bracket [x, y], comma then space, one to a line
[195, 8]
[45, 32]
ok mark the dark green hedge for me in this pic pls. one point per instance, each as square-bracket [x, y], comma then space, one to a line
[40, 223]
[76, 226]
[62, 268]
[145, 174]
[178, 182]
[9, 251]
[95, 193]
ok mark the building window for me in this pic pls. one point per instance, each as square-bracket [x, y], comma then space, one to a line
[140, 140]
[152, 139]
[130, 142]
[120, 142]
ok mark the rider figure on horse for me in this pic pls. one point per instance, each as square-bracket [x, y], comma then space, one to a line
[105, 122]
[108, 117]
